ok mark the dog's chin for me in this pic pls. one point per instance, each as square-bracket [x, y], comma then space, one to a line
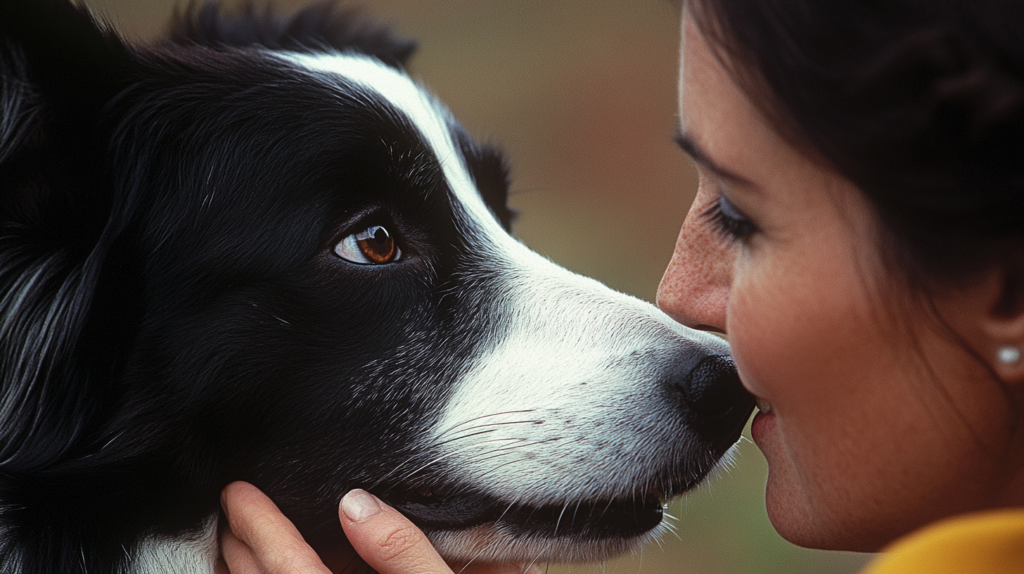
[494, 543]
[476, 527]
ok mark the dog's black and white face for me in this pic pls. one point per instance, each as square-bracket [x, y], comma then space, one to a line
[260, 252]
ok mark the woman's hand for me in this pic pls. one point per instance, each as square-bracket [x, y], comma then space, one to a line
[260, 540]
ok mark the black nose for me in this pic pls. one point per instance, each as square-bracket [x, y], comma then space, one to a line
[717, 402]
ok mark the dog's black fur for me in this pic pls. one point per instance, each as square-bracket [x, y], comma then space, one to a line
[112, 153]
[172, 316]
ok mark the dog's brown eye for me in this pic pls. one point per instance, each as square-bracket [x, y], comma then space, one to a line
[377, 244]
[371, 246]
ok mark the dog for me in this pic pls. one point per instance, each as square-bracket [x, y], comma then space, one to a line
[256, 250]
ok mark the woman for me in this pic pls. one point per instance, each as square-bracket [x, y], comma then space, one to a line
[859, 235]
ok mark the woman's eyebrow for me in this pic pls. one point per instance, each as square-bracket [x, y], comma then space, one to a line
[689, 145]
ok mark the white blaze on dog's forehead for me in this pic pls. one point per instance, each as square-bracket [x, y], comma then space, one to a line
[428, 116]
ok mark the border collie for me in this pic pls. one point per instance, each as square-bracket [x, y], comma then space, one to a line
[256, 250]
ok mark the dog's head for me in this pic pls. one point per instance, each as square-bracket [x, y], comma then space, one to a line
[260, 251]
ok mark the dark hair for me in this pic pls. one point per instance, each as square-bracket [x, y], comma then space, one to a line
[919, 102]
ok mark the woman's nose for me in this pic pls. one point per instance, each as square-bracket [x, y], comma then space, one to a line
[695, 287]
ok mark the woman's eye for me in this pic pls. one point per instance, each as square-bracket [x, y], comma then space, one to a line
[730, 223]
[371, 246]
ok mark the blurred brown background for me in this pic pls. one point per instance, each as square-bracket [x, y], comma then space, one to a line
[582, 95]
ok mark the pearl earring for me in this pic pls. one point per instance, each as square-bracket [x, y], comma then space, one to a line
[1009, 354]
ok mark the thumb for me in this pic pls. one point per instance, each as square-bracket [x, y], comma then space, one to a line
[385, 539]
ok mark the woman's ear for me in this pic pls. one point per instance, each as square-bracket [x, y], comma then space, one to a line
[998, 307]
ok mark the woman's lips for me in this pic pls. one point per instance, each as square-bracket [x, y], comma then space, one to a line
[763, 420]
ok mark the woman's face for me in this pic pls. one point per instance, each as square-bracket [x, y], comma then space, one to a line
[871, 426]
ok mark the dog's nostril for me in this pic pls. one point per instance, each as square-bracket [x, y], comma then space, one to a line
[717, 404]
[713, 387]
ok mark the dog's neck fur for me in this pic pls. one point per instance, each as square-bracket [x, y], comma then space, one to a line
[194, 552]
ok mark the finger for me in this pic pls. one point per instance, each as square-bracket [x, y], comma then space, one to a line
[273, 541]
[385, 539]
[237, 557]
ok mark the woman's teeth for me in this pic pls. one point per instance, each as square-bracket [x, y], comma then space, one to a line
[764, 406]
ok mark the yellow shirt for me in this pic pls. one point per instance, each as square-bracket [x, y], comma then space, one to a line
[984, 543]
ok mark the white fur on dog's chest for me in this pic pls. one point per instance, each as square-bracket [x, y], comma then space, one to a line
[188, 554]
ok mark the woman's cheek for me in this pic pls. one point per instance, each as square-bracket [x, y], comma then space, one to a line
[767, 332]
[758, 323]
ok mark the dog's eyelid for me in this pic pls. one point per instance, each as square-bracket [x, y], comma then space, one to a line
[362, 220]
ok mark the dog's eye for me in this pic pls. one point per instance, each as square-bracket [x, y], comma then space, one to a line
[371, 246]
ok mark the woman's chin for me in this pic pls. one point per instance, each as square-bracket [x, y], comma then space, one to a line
[797, 522]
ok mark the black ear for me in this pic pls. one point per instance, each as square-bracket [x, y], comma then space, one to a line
[59, 70]
[321, 27]
[65, 51]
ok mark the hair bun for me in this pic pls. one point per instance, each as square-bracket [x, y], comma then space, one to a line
[944, 88]
[988, 100]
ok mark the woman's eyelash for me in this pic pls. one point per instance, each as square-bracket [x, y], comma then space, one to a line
[728, 221]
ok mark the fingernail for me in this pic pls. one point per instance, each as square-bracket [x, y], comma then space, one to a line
[358, 505]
